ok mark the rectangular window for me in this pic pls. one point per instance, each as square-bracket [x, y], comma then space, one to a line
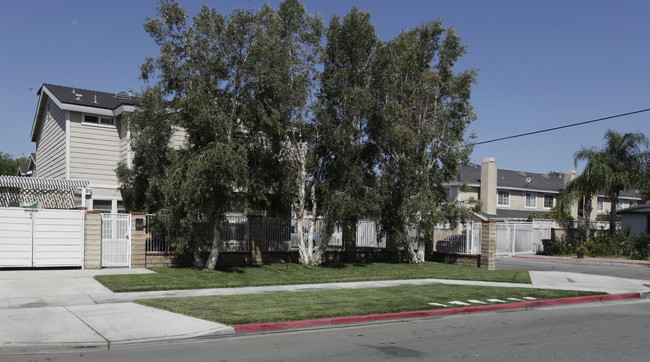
[531, 200]
[620, 205]
[503, 198]
[98, 120]
[549, 201]
[600, 207]
[103, 205]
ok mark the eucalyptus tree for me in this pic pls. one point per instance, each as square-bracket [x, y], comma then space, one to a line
[345, 155]
[419, 123]
[237, 84]
[617, 166]
[150, 127]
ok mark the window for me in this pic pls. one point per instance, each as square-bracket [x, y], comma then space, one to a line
[620, 205]
[103, 205]
[549, 201]
[600, 206]
[503, 198]
[98, 120]
[531, 199]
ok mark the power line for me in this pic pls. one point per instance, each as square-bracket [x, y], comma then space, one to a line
[560, 127]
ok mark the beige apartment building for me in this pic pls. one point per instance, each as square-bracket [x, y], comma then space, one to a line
[514, 195]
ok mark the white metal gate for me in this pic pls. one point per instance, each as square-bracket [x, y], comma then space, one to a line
[514, 237]
[41, 238]
[116, 240]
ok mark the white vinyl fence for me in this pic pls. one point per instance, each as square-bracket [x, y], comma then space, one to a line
[41, 238]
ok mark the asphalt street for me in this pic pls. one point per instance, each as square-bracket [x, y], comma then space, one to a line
[583, 332]
[615, 270]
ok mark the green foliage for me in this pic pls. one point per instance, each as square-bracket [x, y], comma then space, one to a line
[346, 157]
[376, 132]
[619, 165]
[602, 244]
[151, 128]
[9, 164]
[419, 121]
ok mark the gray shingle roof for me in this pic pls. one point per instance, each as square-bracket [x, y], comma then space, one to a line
[471, 174]
[104, 100]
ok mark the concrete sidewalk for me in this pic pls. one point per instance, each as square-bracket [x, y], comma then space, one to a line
[53, 309]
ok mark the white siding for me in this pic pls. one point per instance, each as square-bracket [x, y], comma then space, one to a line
[94, 151]
[124, 141]
[50, 145]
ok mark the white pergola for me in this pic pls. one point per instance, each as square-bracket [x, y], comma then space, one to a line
[47, 193]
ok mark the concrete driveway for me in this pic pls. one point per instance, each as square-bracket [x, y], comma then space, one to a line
[54, 309]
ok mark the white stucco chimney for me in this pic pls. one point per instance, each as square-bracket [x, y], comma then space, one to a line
[568, 177]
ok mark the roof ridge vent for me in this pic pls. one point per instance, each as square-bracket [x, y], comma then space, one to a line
[122, 95]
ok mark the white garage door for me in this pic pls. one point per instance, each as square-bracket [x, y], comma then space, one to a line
[41, 238]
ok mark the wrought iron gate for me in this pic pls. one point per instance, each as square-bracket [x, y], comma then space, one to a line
[116, 240]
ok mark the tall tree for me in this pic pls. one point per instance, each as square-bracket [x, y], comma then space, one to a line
[345, 155]
[617, 166]
[150, 127]
[421, 116]
[9, 165]
[239, 85]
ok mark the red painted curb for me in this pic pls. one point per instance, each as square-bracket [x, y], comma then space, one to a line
[584, 260]
[261, 327]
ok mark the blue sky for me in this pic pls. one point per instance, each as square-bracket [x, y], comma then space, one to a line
[541, 63]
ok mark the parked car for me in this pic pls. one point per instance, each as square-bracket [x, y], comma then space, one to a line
[453, 244]
[294, 236]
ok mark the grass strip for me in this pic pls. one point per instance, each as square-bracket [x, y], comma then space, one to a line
[276, 274]
[290, 306]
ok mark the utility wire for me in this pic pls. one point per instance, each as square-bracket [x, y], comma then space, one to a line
[560, 127]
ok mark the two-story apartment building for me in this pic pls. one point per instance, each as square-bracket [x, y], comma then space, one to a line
[83, 134]
[514, 195]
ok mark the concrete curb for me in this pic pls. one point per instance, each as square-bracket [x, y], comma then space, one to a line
[589, 260]
[310, 323]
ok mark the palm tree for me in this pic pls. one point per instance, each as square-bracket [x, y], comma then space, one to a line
[616, 167]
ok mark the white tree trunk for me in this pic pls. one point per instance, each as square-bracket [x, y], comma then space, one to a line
[414, 257]
[211, 264]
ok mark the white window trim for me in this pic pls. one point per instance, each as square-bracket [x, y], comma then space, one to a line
[500, 204]
[544, 201]
[93, 124]
[600, 205]
[534, 198]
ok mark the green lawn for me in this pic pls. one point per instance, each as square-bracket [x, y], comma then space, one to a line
[190, 278]
[288, 306]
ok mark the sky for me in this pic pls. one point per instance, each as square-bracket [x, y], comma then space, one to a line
[541, 64]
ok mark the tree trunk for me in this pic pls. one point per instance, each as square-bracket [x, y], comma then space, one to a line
[300, 154]
[350, 240]
[198, 261]
[211, 264]
[413, 256]
[587, 212]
